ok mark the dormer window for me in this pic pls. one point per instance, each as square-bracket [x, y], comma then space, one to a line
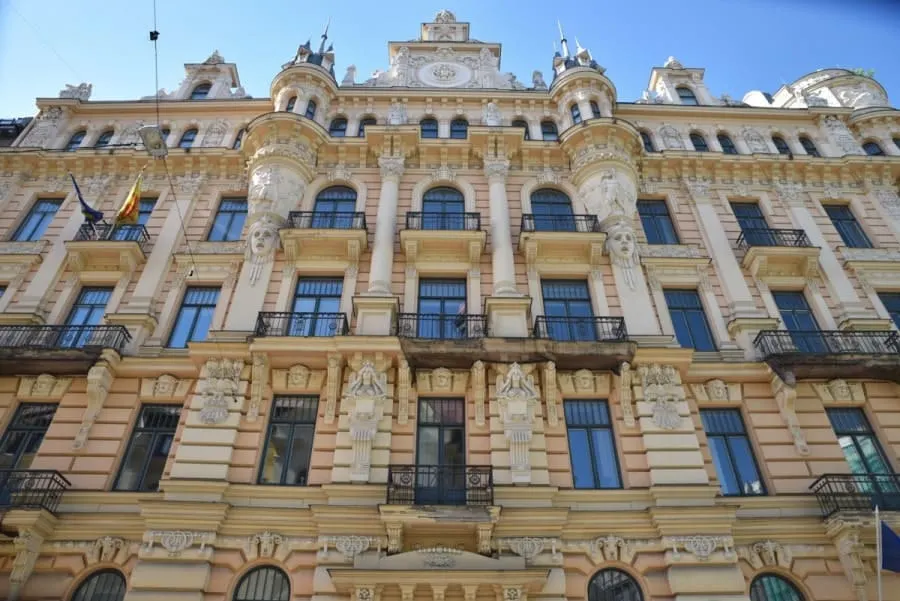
[311, 107]
[595, 109]
[75, 141]
[686, 95]
[104, 139]
[338, 128]
[549, 133]
[524, 125]
[459, 129]
[576, 114]
[201, 91]
[187, 138]
[290, 105]
[699, 143]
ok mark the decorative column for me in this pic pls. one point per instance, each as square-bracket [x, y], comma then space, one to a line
[375, 310]
[280, 170]
[507, 308]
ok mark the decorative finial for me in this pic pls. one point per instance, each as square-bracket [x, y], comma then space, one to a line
[578, 48]
[324, 36]
[562, 40]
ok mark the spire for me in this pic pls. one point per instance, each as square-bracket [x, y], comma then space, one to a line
[578, 48]
[324, 36]
[563, 42]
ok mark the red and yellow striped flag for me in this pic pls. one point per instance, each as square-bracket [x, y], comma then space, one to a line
[128, 212]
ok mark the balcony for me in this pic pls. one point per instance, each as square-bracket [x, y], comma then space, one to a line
[340, 237]
[436, 340]
[31, 489]
[561, 239]
[775, 254]
[831, 354]
[467, 485]
[56, 350]
[857, 493]
[97, 246]
[303, 325]
[443, 237]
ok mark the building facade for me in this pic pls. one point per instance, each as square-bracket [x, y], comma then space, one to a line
[441, 335]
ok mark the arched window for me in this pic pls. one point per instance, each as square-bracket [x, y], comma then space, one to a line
[873, 149]
[524, 125]
[187, 138]
[771, 587]
[365, 122]
[338, 128]
[103, 585]
[459, 129]
[75, 141]
[809, 146]
[265, 583]
[726, 143]
[699, 143]
[781, 145]
[549, 132]
[335, 208]
[576, 114]
[648, 142]
[551, 211]
[292, 102]
[595, 109]
[613, 585]
[311, 107]
[238, 139]
[897, 142]
[428, 128]
[104, 139]
[164, 132]
[201, 91]
[686, 95]
[443, 209]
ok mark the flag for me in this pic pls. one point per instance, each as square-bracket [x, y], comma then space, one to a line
[128, 212]
[890, 549]
[91, 215]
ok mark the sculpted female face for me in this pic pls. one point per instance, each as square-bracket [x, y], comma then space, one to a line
[623, 241]
[262, 240]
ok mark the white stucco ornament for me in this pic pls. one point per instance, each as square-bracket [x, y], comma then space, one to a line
[274, 188]
[364, 399]
[840, 135]
[490, 115]
[860, 96]
[80, 92]
[397, 114]
[517, 400]
[621, 244]
[662, 389]
[223, 378]
[262, 242]
[671, 138]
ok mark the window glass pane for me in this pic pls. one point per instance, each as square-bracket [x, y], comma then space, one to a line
[580, 452]
[891, 302]
[591, 445]
[871, 454]
[727, 478]
[105, 585]
[194, 316]
[769, 587]
[605, 458]
[742, 454]
[133, 466]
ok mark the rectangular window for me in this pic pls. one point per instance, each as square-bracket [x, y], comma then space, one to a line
[194, 316]
[891, 302]
[289, 441]
[442, 309]
[847, 226]
[24, 435]
[861, 449]
[592, 448]
[441, 452]
[318, 300]
[334, 209]
[88, 311]
[657, 222]
[689, 320]
[229, 221]
[148, 449]
[753, 224]
[145, 209]
[567, 310]
[37, 221]
[128, 232]
[731, 452]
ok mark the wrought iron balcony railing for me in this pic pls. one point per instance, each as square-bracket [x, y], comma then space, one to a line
[581, 329]
[302, 324]
[560, 223]
[37, 337]
[340, 220]
[440, 485]
[765, 236]
[437, 326]
[771, 343]
[114, 233]
[458, 222]
[31, 489]
[857, 492]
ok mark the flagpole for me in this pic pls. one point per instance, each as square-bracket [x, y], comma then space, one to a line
[878, 550]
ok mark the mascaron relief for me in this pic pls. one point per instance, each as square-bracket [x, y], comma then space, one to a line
[364, 401]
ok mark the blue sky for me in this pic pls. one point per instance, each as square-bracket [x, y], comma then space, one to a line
[743, 44]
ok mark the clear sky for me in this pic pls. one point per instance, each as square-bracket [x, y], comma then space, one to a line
[743, 44]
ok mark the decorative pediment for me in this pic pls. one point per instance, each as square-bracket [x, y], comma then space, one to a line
[297, 379]
[442, 381]
[841, 391]
[165, 387]
[44, 387]
[716, 391]
[585, 383]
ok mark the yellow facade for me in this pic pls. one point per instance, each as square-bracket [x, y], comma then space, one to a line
[547, 433]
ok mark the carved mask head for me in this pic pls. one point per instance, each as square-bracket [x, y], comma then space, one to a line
[262, 240]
